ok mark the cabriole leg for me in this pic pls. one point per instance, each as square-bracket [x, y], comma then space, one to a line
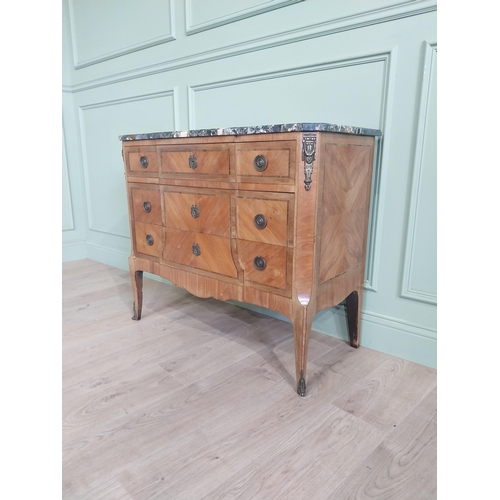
[353, 304]
[302, 322]
[136, 279]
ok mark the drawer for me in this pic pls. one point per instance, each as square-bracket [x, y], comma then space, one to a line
[261, 219]
[195, 160]
[148, 238]
[264, 264]
[201, 251]
[146, 205]
[266, 161]
[198, 212]
[141, 160]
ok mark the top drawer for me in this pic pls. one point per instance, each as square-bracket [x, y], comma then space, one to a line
[142, 160]
[266, 161]
[195, 160]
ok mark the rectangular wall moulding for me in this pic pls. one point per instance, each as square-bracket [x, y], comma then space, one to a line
[103, 30]
[100, 125]
[202, 15]
[420, 261]
[349, 91]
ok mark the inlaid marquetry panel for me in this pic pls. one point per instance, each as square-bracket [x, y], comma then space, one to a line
[146, 205]
[265, 161]
[194, 160]
[141, 160]
[148, 238]
[345, 209]
[194, 211]
[198, 250]
[271, 225]
[275, 257]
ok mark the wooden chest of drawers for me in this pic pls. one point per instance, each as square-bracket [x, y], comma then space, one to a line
[275, 216]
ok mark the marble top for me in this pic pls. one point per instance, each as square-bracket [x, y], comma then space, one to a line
[259, 129]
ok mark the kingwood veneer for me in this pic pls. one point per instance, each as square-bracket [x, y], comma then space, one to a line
[276, 216]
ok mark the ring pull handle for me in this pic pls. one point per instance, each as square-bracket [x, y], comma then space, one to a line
[260, 163]
[260, 221]
[196, 249]
[144, 161]
[193, 162]
[150, 240]
[259, 263]
[147, 207]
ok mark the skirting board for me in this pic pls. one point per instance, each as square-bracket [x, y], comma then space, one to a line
[74, 251]
[381, 333]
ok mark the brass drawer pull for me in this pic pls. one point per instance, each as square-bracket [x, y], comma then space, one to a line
[260, 163]
[260, 221]
[150, 240]
[195, 211]
[196, 249]
[259, 263]
[193, 162]
[147, 207]
[144, 161]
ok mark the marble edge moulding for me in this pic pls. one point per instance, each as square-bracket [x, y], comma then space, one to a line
[259, 129]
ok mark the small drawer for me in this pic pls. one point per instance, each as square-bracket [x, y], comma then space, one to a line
[265, 160]
[198, 250]
[141, 160]
[262, 220]
[197, 212]
[148, 238]
[264, 264]
[146, 205]
[195, 160]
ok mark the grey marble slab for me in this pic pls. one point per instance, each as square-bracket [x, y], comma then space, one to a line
[259, 129]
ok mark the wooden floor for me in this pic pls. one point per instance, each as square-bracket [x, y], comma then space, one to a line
[197, 401]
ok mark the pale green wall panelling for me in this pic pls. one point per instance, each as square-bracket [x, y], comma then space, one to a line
[104, 30]
[67, 210]
[100, 125]
[364, 63]
[420, 265]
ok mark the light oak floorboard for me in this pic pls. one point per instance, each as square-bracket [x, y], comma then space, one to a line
[197, 401]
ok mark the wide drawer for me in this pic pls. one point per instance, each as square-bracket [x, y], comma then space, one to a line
[146, 205]
[141, 160]
[148, 238]
[195, 160]
[266, 162]
[263, 219]
[264, 264]
[198, 250]
[197, 212]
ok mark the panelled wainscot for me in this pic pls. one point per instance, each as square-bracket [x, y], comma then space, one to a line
[275, 216]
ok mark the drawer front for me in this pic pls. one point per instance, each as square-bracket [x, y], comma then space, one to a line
[202, 251]
[262, 220]
[264, 264]
[146, 205]
[194, 160]
[148, 238]
[266, 161]
[198, 213]
[141, 160]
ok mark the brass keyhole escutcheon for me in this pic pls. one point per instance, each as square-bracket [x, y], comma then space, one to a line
[193, 162]
[196, 249]
[150, 240]
[147, 207]
[195, 211]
